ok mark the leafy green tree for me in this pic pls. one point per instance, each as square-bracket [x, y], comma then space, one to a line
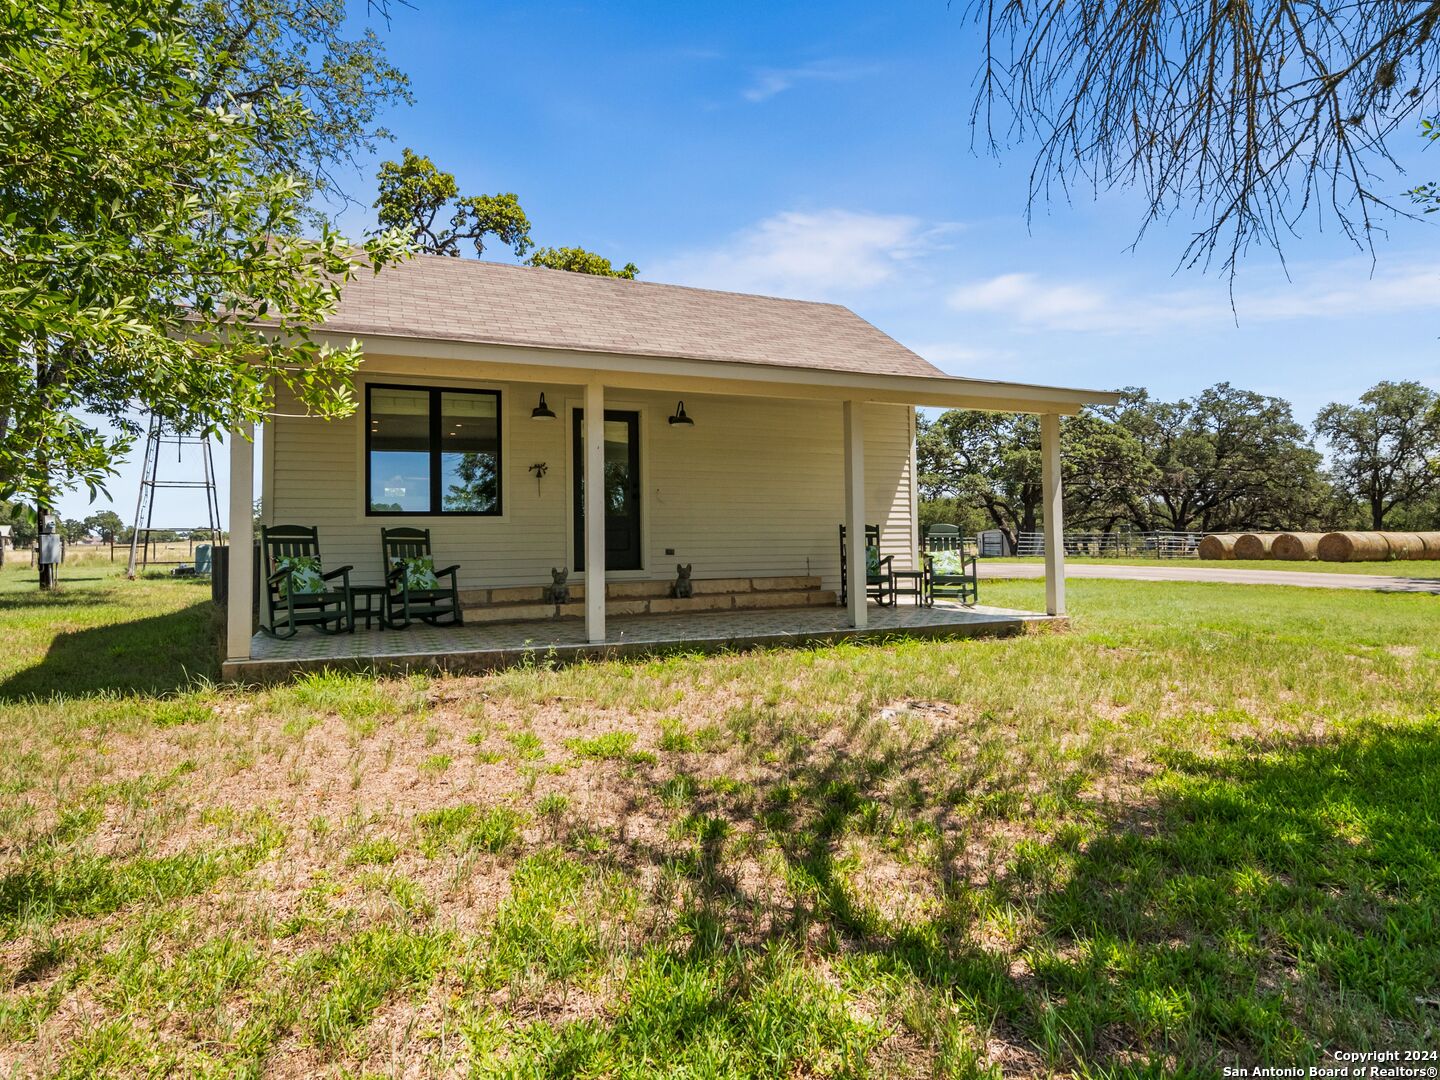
[949, 510]
[415, 195]
[992, 461]
[146, 254]
[1225, 459]
[73, 530]
[1385, 451]
[579, 261]
[270, 53]
[105, 524]
[21, 520]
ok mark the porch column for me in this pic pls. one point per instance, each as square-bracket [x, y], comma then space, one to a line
[855, 511]
[240, 586]
[1054, 508]
[594, 478]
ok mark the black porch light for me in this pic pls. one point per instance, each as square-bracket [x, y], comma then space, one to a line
[542, 411]
[680, 418]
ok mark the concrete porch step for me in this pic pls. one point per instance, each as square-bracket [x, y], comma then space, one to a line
[650, 598]
[639, 590]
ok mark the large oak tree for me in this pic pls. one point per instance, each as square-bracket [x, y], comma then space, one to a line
[149, 254]
[1385, 451]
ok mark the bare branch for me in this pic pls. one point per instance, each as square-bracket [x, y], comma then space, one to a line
[1250, 114]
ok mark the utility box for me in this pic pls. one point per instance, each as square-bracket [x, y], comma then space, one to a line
[52, 549]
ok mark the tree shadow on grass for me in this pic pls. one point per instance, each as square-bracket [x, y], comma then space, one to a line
[1276, 900]
[1264, 904]
[153, 655]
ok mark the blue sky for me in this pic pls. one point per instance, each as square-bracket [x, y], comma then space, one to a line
[824, 152]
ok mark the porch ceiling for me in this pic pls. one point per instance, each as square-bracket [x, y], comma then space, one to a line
[453, 359]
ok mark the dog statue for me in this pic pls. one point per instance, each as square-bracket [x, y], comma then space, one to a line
[683, 589]
[558, 592]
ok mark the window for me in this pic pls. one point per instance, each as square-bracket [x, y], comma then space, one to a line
[431, 451]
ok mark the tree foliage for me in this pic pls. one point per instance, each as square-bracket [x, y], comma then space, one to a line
[1385, 451]
[146, 255]
[579, 261]
[1251, 115]
[270, 53]
[415, 195]
[106, 524]
[1224, 459]
[992, 461]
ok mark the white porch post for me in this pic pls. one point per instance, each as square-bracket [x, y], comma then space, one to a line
[855, 511]
[594, 478]
[1054, 509]
[240, 586]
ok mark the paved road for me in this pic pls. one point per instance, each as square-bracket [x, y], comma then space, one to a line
[1238, 576]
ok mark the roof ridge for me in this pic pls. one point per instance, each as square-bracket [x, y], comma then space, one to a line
[629, 282]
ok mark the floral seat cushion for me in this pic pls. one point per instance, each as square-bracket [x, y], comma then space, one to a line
[948, 563]
[304, 576]
[872, 561]
[419, 572]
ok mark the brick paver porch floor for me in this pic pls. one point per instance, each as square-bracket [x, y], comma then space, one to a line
[492, 646]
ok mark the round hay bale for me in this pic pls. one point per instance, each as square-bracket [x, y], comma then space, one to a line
[1432, 544]
[1253, 545]
[1216, 546]
[1353, 547]
[1405, 545]
[1296, 547]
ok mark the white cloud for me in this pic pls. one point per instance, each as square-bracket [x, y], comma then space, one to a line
[808, 255]
[1326, 291]
[768, 82]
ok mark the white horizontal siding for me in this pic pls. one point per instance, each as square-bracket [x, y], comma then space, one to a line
[755, 488]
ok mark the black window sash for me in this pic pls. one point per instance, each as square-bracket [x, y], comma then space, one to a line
[436, 454]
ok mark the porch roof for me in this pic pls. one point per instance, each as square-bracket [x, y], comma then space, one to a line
[443, 308]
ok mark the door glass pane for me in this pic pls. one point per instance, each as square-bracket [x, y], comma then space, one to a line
[399, 450]
[617, 466]
[469, 453]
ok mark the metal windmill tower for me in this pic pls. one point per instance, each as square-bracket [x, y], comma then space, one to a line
[150, 481]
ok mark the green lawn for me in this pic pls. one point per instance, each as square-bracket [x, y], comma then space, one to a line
[1202, 828]
[1418, 568]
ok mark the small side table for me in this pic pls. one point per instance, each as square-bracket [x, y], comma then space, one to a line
[913, 583]
[374, 597]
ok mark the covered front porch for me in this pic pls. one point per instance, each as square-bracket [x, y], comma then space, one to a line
[538, 423]
[492, 647]
[758, 487]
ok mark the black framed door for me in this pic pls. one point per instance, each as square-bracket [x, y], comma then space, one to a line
[622, 490]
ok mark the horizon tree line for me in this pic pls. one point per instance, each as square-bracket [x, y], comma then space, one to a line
[1224, 459]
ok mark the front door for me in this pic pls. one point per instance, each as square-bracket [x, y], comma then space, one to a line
[622, 490]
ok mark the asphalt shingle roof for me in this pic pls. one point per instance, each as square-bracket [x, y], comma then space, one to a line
[432, 296]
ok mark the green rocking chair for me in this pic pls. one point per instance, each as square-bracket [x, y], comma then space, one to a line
[414, 587]
[298, 591]
[879, 570]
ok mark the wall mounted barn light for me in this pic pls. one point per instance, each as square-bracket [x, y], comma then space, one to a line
[680, 418]
[542, 411]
